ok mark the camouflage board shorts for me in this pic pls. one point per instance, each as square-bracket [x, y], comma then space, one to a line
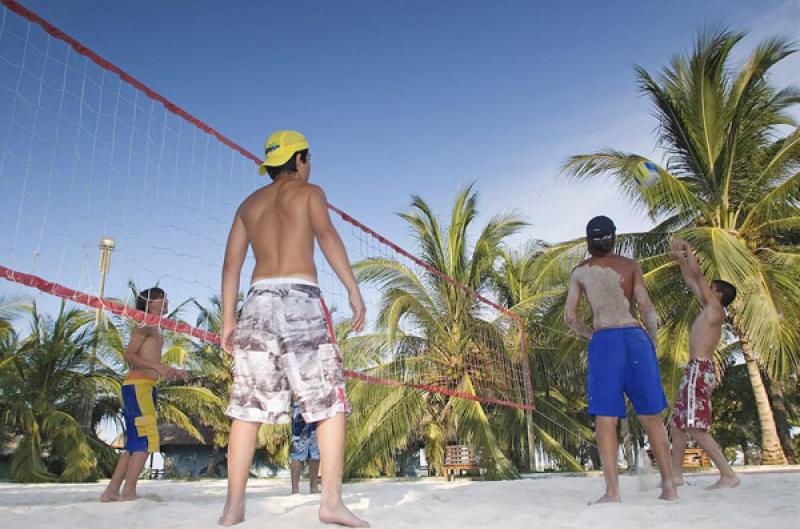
[284, 350]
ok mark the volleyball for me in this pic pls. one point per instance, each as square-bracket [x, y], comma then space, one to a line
[647, 174]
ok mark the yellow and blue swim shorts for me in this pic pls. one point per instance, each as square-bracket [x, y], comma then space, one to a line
[139, 410]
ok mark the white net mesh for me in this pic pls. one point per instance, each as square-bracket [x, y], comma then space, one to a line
[88, 152]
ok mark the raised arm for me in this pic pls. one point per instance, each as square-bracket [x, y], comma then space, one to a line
[690, 269]
[571, 317]
[647, 310]
[331, 245]
[235, 253]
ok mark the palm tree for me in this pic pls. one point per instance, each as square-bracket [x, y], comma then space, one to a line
[530, 282]
[731, 187]
[43, 385]
[10, 309]
[736, 423]
[432, 332]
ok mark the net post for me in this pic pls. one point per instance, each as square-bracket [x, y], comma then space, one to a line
[528, 385]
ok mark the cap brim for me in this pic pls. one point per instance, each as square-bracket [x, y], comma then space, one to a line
[262, 169]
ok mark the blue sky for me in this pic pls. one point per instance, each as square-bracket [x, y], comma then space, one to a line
[408, 97]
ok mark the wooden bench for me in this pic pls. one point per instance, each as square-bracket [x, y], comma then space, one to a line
[458, 458]
[696, 458]
[692, 458]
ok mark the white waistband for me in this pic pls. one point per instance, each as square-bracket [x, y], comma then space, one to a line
[269, 281]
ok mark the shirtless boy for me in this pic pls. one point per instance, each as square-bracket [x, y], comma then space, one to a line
[283, 344]
[691, 416]
[622, 356]
[143, 355]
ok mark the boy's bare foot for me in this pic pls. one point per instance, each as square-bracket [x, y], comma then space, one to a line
[128, 497]
[313, 490]
[109, 495]
[726, 482]
[340, 515]
[607, 498]
[295, 491]
[231, 515]
[668, 492]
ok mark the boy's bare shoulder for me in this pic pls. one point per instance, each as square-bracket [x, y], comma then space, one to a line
[714, 307]
[627, 261]
[302, 192]
[314, 189]
[624, 264]
[253, 198]
[145, 331]
[581, 264]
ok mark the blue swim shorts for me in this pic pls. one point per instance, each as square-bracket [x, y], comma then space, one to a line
[623, 362]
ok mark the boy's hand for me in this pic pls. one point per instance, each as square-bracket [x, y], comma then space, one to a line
[680, 248]
[359, 312]
[170, 373]
[228, 333]
[181, 374]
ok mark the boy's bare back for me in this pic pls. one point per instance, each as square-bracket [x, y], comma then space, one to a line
[611, 284]
[279, 220]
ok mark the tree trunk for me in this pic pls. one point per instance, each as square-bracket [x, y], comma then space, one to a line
[771, 451]
[529, 448]
[781, 419]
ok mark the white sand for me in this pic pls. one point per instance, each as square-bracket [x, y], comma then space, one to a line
[765, 501]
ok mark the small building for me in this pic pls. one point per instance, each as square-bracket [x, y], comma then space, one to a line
[186, 457]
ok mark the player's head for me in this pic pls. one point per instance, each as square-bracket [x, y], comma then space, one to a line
[724, 291]
[152, 301]
[286, 152]
[601, 236]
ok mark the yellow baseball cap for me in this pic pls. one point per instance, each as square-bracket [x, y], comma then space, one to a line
[280, 146]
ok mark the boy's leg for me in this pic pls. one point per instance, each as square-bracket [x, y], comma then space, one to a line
[679, 442]
[241, 447]
[607, 442]
[605, 391]
[136, 463]
[313, 473]
[643, 386]
[727, 477]
[330, 433]
[295, 467]
[657, 435]
[112, 490]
